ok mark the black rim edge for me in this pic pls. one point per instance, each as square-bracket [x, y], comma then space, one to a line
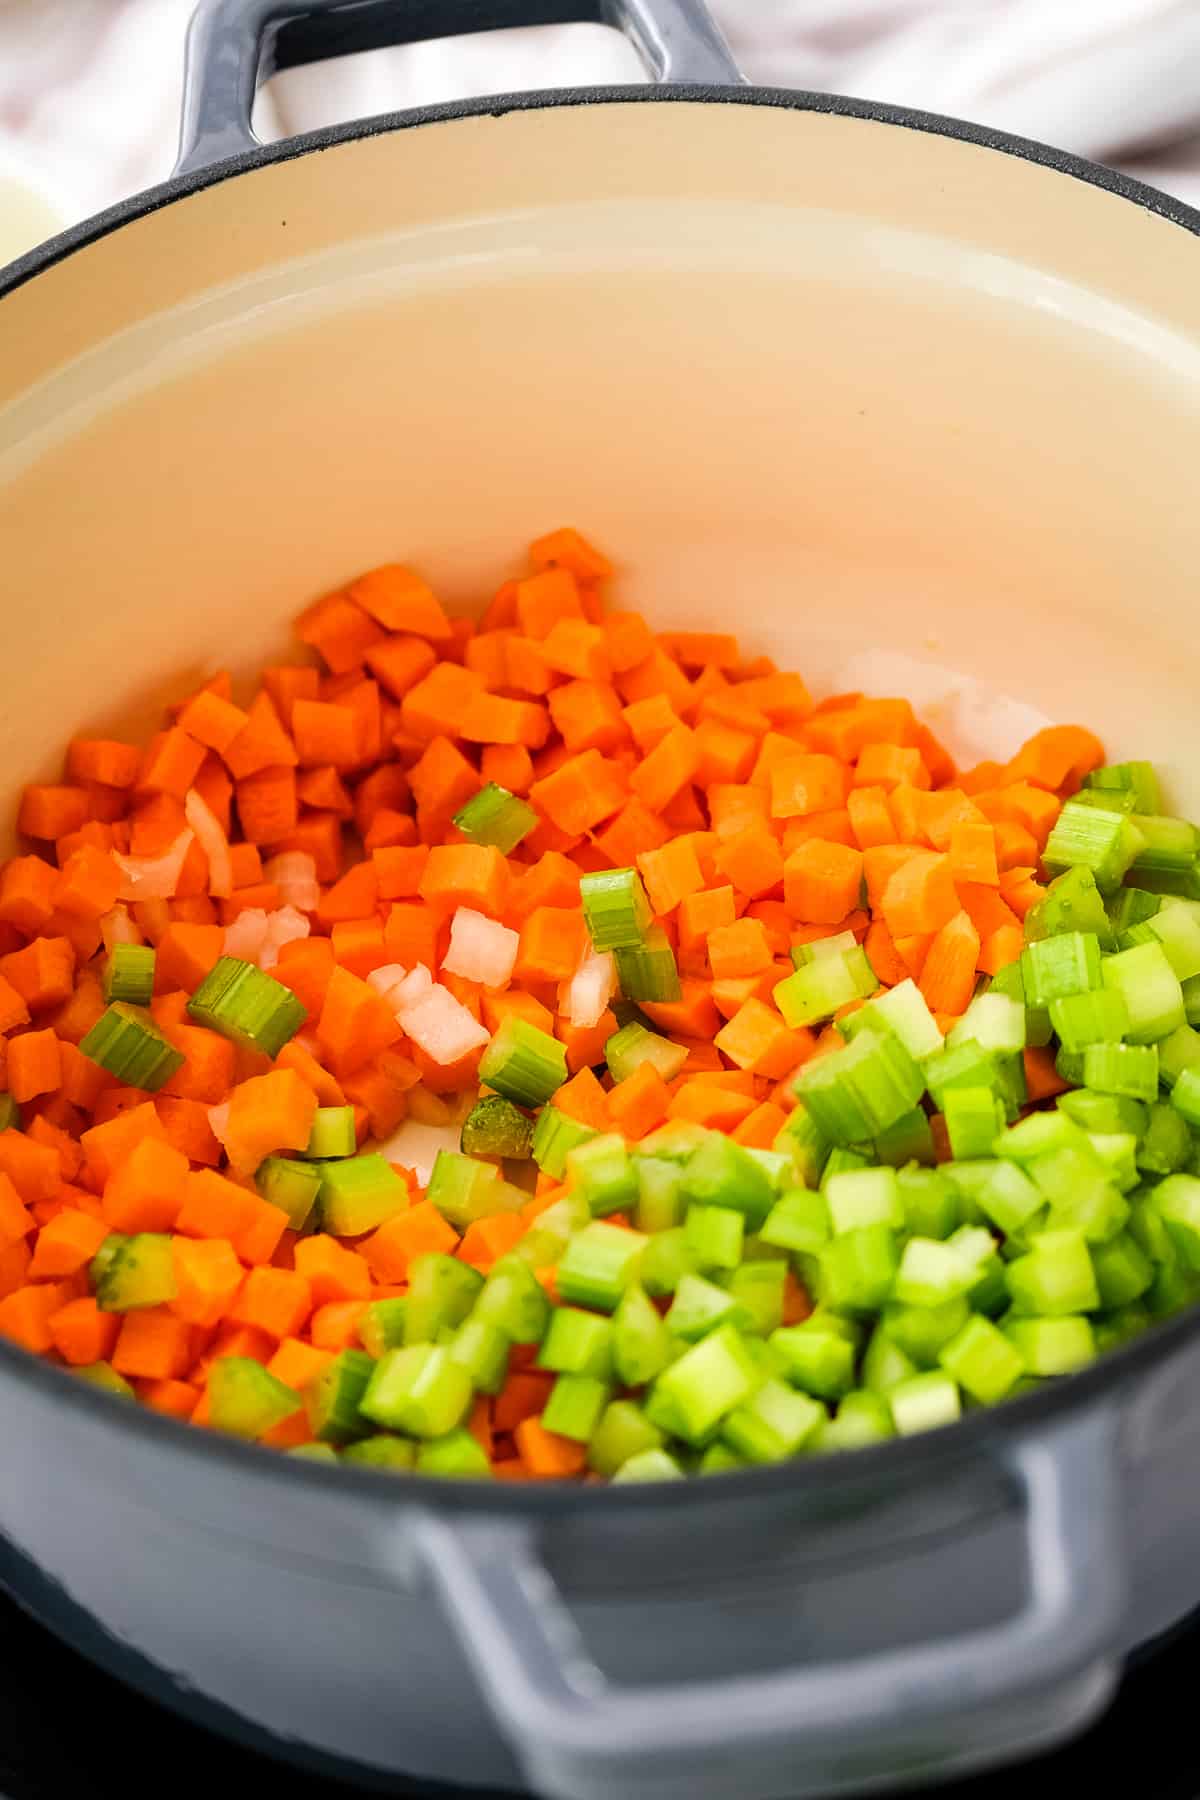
[988, 1427]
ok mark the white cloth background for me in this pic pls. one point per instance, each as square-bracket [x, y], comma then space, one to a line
[89, 89]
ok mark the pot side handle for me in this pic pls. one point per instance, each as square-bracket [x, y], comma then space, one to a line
[926, 1709]
[235, 45]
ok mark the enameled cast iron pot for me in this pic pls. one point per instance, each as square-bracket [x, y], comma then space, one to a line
[912, 405]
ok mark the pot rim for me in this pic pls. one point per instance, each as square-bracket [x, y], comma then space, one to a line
[980, 1430]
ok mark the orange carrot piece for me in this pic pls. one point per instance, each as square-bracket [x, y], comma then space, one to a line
[43, 972]
[973, 854]
[391, 1248]
[355, 1023]
[1057, 758]
[717, 1108]
[948, 973]
[66, 1243]
[580, 794]
[25, 1314]
[882, 954]
[34, 1065]
[333, 1271]
[756, 1039]
[170, 764]
[546, 1454]
[1042, 1078]
[214, 1207]
[335, 1326]
[153, 1343]
[103, 760]
[174, 1398]
[274, 1301]
[567, 548]
[640, 1103]
[920, 895]
[28, 893]
[759, 1129]
[106, 1146]
[207, 1276]
[739, 949]
[751, 861]
[145, 1190]
[672, 763]
[671, 874]
[693, 1015]
[401, 601]
[485, 1241]
[553, 943]
[584, 1100]
[82, 1334]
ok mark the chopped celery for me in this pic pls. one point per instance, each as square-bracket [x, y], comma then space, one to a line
[924, 1401]
[524, 1064]
[864, 1197]
[773, 1424]
[480, 1348]
[821, 987]
[855, 1093]
[333, 1134]
[993, 1021]
[1099, 1017]
[1054, 967]
[921, 1331]
[1104, 1112]
[905, 1012]
[910, 1139]
[1177, 1203]
[699, 1307]
[862, 1418]
[708, 1382]
[1052, 1346]
[641, 1343]
[578, 1343]
[129, 974]
[598, 1265]
[1092, 838]
[615, 909]
[857, 1270]
[798, 1221]
[127, 1043]
[387, 1454]
[359, 1194]
[495, 1127]
[648, 971]
[514, 1299]
[603, 1172]
[816, 1358]
[495, 816]
[1072, 902]
[1166, 1142]
[633, 1045]
[623, 1432]
[1123, 1270]
[660, 1202]
[1136, 778]
[419, 1390]
[245, 1400]
[722, 1173]
[1151, 990]
[555, 1135]
[1130, 1071]
[140, 1272]
[1178, 1051]
[1168, 849]
[665, 1260]
[885, 1363]
[291, 1186]
[441, 1292]
[238, 1000]
[1056, 1277]
[931, 1206]
[332, 1400]
[713, 1235]
[456, 1456]
[649, 1465]
[757, 1285]
[932, 1272]
[575, 1406]
[974, 1119]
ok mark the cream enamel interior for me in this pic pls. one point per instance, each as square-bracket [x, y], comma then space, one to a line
[905, 412]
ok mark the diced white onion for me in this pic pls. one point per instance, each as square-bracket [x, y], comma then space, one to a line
[480, 949]
[443, 1027]
[294, 873]
[284, 926]
[386, 979]
[218, 1119]
[590, 989]
[118, 928]
[213, 842]
[247, 934]
[153, 877]
[414, 987]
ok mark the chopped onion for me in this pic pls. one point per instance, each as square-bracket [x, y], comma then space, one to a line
[218, 1119]
[590, 989]
[480, 949]
[414, 987]
[118, 928]
[284, 926]
[247, 934]
[213, 842]
[294, 873]
[386, 980]
[153, 877]
[443, 1027]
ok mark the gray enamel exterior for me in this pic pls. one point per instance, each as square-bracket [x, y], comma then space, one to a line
[870, 1621]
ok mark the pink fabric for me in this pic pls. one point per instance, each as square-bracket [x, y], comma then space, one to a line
[89, 89]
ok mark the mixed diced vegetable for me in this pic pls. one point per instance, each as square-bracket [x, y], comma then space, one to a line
[790, 1088]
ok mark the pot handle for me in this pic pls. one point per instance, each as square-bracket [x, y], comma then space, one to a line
[234, 45]
[924, 1709]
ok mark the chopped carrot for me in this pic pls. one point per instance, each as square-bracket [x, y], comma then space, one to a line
[391, 1248]
[821, 881]
[948, 972]
[332, 1271]
[153, 1343]
[82, 1334]
[920, 895]
[583, 1099]
[207, 1276]
[546, 1454]
[1042, 1078]
[34, 1065]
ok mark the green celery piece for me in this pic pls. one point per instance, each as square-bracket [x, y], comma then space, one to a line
[921, 1331]
[127, 1043]
[816, 1358]
[858, 1268]
[798, 1221]
[1176, 926]
[1100, 1017]
[103, 1375]
[983, 1361]
[318, 1453]
[1136, 778]
[858, 1092]
[1105, 842]
[1151, 991]
[604, 1173]
[497, 817]
[463, 1190]
[672, 1142]
[1072, 902]
[722, 1173]
[387, 1454]
[332, 1134]
[238, 1000]
[245, 1400]
[1055, 967]
[615, 908]
[773, 1424]
[578, 1343]
[994, 1021]
[140, 1272]
[713, 1235]
[968, 1065]
[1052, 1346]
[1104, 1112]
[924, 1401]
[360, 1194]
[1191, 999]
[515, 1300]
[441, 1292]
[1131, 906]
[598, 1265]
[555, 1135]
[1008, 1198]
[641, 1341]
[633, 1045]
[665, 1260]
[1185, 1097]
[1168, 848]
[575, 1406]
[931, 1205]
[481, 1348]
[648, 971]
[699, 1307]
[821, 987]
[708, 1382]
[419, 1390]
[332, 1400]
[1177, 1052]
[495, 1127]
[456, 1456]
[844, 1161]
[523, 1063]
[660, 1202]
[290, 1185]
[623, 1432]
[862, 1418]
[864, 1197]
[1055, 1277]
[974, 1119]
[905, 1011]
[758, 1288]
[806, 1144]
[1166, 1144]
[1177, 1204]
[885, 1364]
[1123, 1270]
[910, 1139]
[129, 973]
[1130, 1071]
[932, 1272]
[649, 1465]
[719, 1459]
[381, 1326]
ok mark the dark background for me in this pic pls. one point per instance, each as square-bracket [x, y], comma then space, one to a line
[66, 1729]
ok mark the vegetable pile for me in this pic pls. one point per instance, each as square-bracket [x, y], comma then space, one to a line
[797, 1089]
